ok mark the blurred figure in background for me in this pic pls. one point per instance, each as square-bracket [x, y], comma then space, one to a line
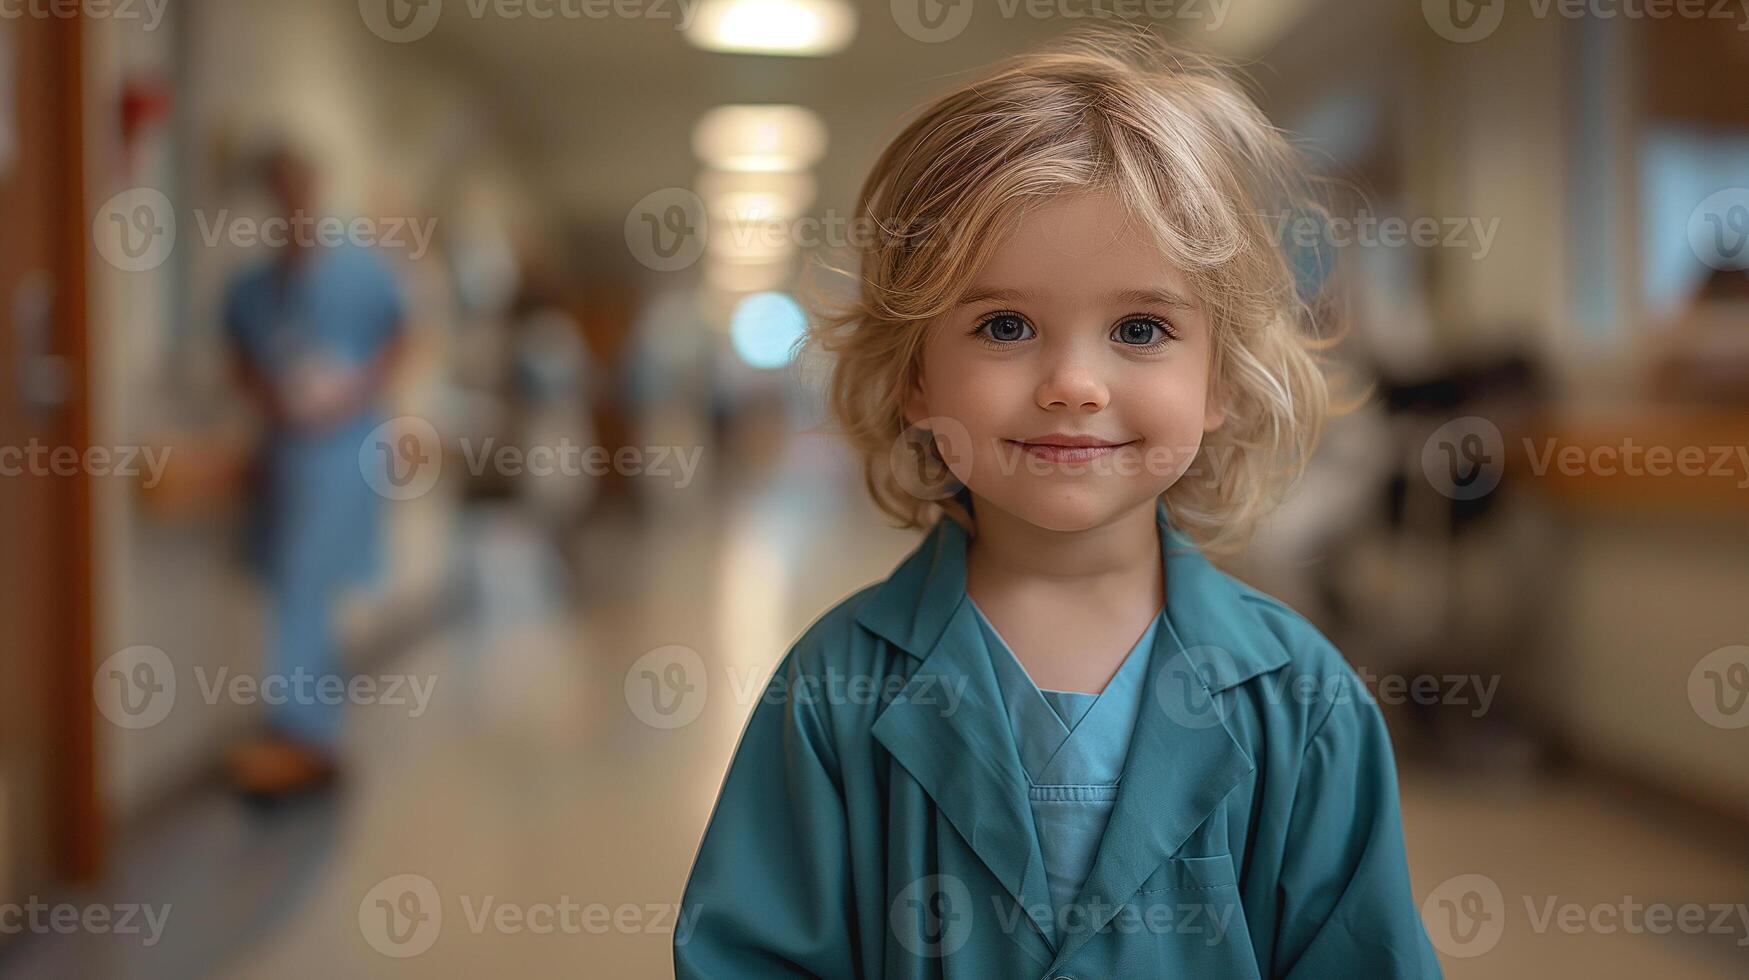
[315, 333]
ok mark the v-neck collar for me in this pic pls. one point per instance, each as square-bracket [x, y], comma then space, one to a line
[1071, 706]
[1041, 734]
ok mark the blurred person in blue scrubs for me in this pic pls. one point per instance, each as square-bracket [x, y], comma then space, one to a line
[315, 331]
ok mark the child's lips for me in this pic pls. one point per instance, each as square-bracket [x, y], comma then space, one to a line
[1068, 449]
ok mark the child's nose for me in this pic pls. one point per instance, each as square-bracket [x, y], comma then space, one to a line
[1071, 383]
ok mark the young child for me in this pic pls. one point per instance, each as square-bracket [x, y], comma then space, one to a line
[1062, 743]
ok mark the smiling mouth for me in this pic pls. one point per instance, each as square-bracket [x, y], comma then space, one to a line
[1068, 449]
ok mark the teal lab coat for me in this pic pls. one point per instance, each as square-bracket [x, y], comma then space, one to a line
[875, 820]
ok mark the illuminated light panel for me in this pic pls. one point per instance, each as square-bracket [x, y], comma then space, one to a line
[795, 28]
[759, 138]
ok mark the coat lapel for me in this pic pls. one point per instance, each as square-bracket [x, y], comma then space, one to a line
[960, 751]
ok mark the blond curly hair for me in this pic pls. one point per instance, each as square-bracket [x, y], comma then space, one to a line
[1188, 153]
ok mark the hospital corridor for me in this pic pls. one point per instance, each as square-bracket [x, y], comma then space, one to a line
[418, 455]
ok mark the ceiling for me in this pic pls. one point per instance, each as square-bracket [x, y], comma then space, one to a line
[601, 110]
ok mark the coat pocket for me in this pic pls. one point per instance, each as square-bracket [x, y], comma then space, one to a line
[1186, 920]
[1191, 874]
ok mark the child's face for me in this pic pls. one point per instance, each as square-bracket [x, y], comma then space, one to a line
[1052, 346]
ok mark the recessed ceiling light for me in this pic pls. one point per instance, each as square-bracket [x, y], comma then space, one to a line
[757, 195]
[800, 28]
[759, 138]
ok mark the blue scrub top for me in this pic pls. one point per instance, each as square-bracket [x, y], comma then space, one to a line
[342, 302]
[1073, 746]
[315, 518]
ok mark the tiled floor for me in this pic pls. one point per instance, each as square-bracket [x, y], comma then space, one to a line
[538, 808]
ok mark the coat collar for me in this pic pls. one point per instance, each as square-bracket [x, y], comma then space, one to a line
[911, 609]
[1182, 762]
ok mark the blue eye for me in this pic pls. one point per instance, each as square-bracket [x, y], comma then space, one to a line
[1004, 328]
[1141, 331]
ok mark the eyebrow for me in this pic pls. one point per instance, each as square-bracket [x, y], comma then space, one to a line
[1162, 297]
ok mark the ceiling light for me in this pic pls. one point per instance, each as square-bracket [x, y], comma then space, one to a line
[759, 138]
[806, 28]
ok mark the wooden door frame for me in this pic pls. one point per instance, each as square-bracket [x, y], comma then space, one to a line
[74, 794]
